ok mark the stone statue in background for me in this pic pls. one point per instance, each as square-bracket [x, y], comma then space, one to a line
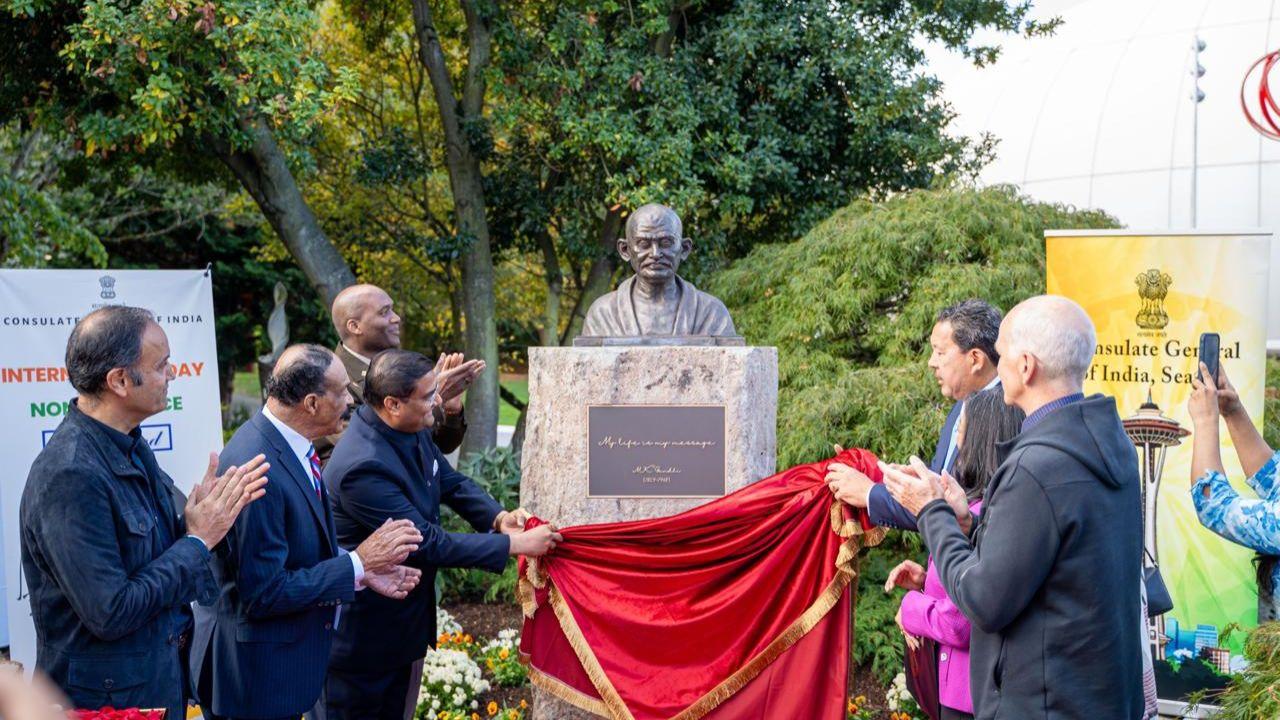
[656, 304]
[278, 333]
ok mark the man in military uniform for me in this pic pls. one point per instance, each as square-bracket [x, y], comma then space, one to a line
[367, 324]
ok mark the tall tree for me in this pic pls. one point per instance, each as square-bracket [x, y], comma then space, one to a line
[226, 80]
[754, 119]
[461, 118]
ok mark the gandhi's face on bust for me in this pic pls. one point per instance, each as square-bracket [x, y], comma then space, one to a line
[654, 244]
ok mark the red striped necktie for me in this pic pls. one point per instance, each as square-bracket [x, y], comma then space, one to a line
[314, 457]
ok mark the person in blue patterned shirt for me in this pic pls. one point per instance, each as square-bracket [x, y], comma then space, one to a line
[1254, 524]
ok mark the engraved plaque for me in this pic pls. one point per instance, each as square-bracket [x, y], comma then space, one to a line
[655, 451]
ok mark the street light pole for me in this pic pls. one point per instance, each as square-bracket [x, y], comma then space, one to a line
[1197, 96]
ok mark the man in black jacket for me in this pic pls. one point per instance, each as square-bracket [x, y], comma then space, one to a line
[1051, 579]
[111, 565]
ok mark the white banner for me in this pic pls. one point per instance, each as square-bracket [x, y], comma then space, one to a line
[38, 309]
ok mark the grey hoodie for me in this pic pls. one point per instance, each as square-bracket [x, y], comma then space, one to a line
[1050, 581]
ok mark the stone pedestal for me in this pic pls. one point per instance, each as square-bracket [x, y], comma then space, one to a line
[565, 382]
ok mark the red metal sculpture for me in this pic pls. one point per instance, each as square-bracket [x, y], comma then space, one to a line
[1267, 119]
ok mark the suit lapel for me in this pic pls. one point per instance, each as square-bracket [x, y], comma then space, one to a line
[301, 476]
[940, 453]
[356, 369]
[428, 466]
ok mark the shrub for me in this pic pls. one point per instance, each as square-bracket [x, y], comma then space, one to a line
[1252, 694]
[850, 307]
[497, 471]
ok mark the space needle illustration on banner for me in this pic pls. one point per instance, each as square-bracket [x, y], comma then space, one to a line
[1152, 433]
[1256, 97]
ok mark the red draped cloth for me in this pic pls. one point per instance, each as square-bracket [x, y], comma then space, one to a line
[735, 609]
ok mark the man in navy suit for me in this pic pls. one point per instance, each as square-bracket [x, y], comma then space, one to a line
[262, 650]
[386, 466]
[111, 565]
[963, 360]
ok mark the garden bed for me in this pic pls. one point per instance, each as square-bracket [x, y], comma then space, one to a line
[484, 621]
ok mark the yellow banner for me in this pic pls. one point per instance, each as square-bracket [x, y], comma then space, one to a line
[1150, 297]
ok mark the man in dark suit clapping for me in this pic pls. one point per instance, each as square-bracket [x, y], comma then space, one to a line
[111, 565]
[262, 650]
[386, 466]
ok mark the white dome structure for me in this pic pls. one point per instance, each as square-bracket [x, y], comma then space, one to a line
[1100, 115]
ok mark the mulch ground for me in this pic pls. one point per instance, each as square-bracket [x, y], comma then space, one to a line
[484, 622]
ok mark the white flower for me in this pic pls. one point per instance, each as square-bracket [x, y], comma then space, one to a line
[1182, 654]
[445, 622]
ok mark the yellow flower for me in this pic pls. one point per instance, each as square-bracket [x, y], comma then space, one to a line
[523, 704]
[489, 663]
[503, 654]
[852, 707]
[475, 716]
[492, 708]
[466, 638]
[861, 699]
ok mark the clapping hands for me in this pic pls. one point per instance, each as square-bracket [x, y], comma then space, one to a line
[216, 502]
[395, 582]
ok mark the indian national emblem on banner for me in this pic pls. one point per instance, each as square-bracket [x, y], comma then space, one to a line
[108, 284]
[1153, 286]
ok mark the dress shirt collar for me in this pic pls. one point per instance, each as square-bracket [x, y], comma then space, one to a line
[356, 355]
[300, 446]
[1035, 417]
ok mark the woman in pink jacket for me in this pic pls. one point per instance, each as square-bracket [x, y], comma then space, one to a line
[926, 611]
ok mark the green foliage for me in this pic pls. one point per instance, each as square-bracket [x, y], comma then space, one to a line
[754, 119]
[850, 307]
[877, 641]
[1252, 694]
[141, 74]
[501, 657]
[38, 230]
[497, 470]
